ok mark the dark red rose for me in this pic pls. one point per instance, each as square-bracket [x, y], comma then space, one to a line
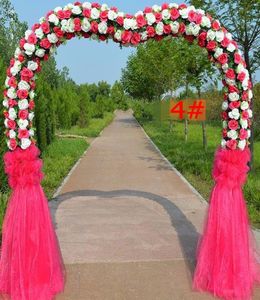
[224, 115]
[224, 132]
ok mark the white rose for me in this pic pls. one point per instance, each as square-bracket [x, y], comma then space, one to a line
[31, 116]
[166, 14]
[250, 112]
[118, 35]
[242, 144]
[225, 105]
[234, 114]
[195, 29]
[159, 28]
[240, 68]
[139, 13]
[39, 33]
[211, 35]
[249, 133]
[56, 9]
[157, 8]
[104, 7]
[11, 93]
[112, 15]
[12, 134]
[64, 25]
[41, 20]
[102, 27]
[223, 143]
[31, 94]
[17, 52]
[150, 18]
[173, 5]
[5, 103]
[70, 26]
[23, 123]
[25, 143]
[40, 52]
[232, 134]
[231, 47]
[201, 11]
[76, 10]
[6, 81]
[229, 36]
[245, 84]
[6, 123]
[52, 38]
[205, 22]
[32, 65]
[85, 26]
[188, 29]
[175, 27]
[184, 13]
[225, 67]
[86, 5]
[244, 123]
[244, 105]
[220, 36]
[230, 81]
[233, 96]
[29, 48]
[27, 34]
[218, 52]
[144, 36]
[53, 19]
[23, 104]
[31, 132]
[95, 13]
[120, 14]
[127, 23]
[12, 114]
[23, 85]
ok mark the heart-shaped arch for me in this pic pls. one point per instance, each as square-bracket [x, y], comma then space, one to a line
[225, 254]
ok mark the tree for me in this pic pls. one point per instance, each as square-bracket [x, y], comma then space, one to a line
[118, 96]
[103, 88]
[84, 106]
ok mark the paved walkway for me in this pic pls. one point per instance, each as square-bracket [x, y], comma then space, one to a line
[127, 223]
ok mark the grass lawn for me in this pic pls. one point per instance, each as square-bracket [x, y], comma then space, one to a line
[196, 164]
[93, 129]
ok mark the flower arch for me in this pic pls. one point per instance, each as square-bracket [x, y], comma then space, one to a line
[92, 20]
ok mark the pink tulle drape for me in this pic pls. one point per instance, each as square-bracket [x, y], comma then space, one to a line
[31, 266]
[228, 265]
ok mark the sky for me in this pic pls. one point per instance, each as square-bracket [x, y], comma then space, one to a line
[88, 61]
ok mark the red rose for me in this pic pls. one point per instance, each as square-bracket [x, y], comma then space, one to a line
[86, 35]
[20, 58]
[189, 38]
[58, 32]
[115, 9]
[198, 19]
[237, 58]
[86, 13]
[33, 85]
[241, 76]
[141, 21]
[45, 58]
[233, 125]
[224, 115]
[150, 31]
[245, 115]
[215, 25]
[225, 42]
[45, 43]
[102, 37]
[36, 26]
[23, 114]
[96, 5]
[94, 27]
[22, 94]
[211, 45]
[120, 21]
[31, 105]
[233, 89]
[61, 14]
[243, 134]
[192, 16]
[26, 74]
[182, 6]
[6, 114]
[12, 144]
[32, 39]
[45, 26]
[67, 13]
[136, 38]
[230, 74]
[12, 103]
[167, 29]
[12, 82]
[224, 132]
[158, 38]
[111, 30]
[104, 15]
[77, 24]
[11, 124]
[22, 42]
[223, 58]
[202, 39]
[182, 28]
[78, 3]
[23, 134]
[158, 17]
[126, 37]
[49, 13]
[245, 95]
[165, 6]
[148, 10]
[232, 144]
[70, 35]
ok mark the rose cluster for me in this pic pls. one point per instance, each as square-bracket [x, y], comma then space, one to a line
[99, 22]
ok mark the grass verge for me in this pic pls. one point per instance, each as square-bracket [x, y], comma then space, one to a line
[196, 164]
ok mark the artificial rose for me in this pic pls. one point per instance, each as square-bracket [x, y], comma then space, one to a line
[32, 39]
[11, 93]
[31, 105]
[45, 27]
[104, 16]
[150, 31]
[215, 25]
[223, 58]
[136, 38]
[230, 74]
[231, 144]
[150, 18]
[174, 14]
[22, 94]
[53, 19]
[234, 104]
[12, 144]
[243, 134]
[233, 89]
[233, 124]
[29, 48]
[76, 10]
[141, 21]
[242, 145]
[25, 143]
[52, 38]
[102, 27]
[167, 29]
[11, 124]
[159, 28]
[112, 15]
[23, 123]
[12, 114]
[45, 43]
[77, 24]
[241, 76]
[12, 134]
[85, 25]
[244, 123]
[244, 105]
[95, 13]
[94, 26]
[126, 37]
[211, 45]
[245, 115]
[233, 96]
[11, 103]
[234, 114]
[225, 105]
[40, 52]
[220, 36]
[23, 133]
[23, 104]
[23, 114]
[166, 14]
[12, 82]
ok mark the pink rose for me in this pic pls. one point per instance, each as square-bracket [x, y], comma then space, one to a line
[111, 30]
[96, 5]
[225, 42]
[58, 32]
[12, 82]
[94, 27]
[120, 21]
[45, 43]
[192, 16]
[215, 25]
[31, 105]
[243, 134]
[158, 17]
[23, 134]
[26, 74]
[20, 58]
[241, 76]
[237, 58]
[22, 42]
[150, 31]
[136, 38]
[224, 132]
[141, 21]
[12, 103]
[12, 144]
[233, 125]
[23, 114]
[32, 38]
[245, 95]
[61, 14]
[230, 74]
[86, 13]
[45, 26]
[198, 19]
[223, 58]
[211, 45]
[167, 29]
[232, 144]
[126, 37]
[182, 28]
[104, 15]
[148, 10]
[67, 13]
[233, 89]
[234, 104]
[22, 94]
[165, 6]
[11, 124]
[245, 115]
[175, 14]
[77, 24]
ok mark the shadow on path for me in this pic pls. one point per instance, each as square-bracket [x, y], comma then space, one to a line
[187, 233]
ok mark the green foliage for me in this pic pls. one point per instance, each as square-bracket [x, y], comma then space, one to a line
[118, 96]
